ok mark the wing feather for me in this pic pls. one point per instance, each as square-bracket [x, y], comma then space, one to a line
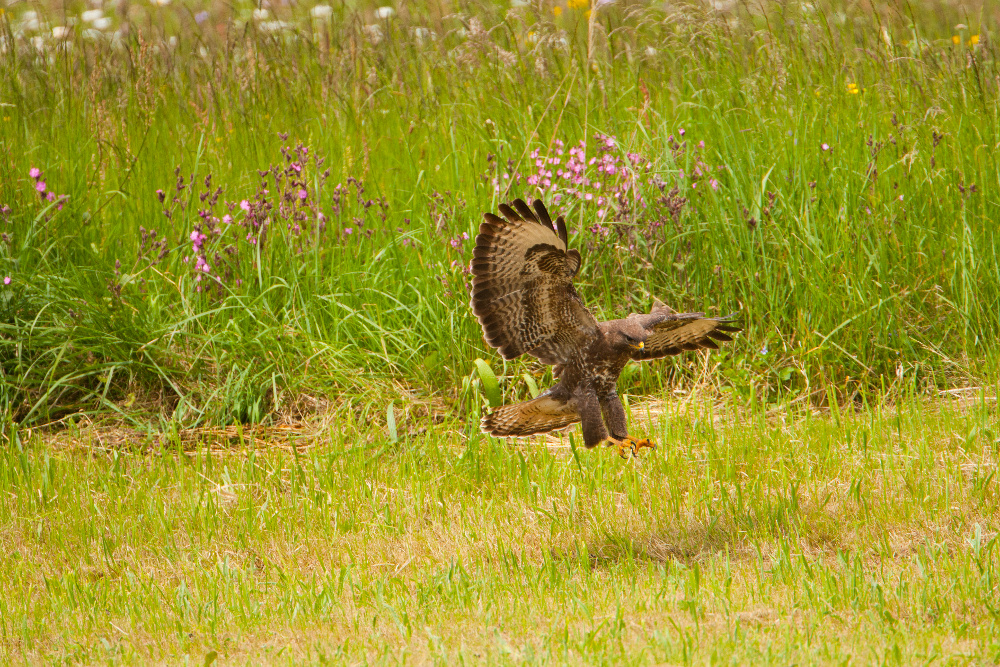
[539, 415]
[673, 333]
[522, 290]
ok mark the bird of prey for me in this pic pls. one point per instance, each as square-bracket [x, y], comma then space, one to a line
[523, 296]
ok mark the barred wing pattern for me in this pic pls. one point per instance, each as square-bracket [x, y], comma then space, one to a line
[539, 415]
[522, 289]
[673, 333]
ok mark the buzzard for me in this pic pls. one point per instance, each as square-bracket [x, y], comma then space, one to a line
[523, 296]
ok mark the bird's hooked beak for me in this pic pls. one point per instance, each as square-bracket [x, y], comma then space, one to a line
[637, 346]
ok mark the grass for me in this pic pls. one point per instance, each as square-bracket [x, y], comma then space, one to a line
[832, 183]
[239, 394]
[792, 537]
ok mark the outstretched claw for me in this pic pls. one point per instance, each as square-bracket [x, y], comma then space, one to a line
[629, 447]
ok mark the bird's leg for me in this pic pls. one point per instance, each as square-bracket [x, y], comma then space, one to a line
[589, 409]
[614, 415]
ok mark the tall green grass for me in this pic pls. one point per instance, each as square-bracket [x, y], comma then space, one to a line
[866, 266]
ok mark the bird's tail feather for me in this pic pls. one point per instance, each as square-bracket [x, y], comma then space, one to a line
[539, 415]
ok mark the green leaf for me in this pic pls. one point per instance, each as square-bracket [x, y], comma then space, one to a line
[431, 361]
[532, 385]
[489, 383]
[210, 658]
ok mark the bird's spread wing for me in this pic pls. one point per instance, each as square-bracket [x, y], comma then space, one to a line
[673, 333]
[522, 290]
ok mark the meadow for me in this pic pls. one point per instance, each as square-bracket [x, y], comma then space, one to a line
[238, 377]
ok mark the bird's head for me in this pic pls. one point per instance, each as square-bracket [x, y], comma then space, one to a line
[630, 336]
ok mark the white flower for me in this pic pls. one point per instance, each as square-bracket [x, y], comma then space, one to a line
[60, 32]
[261, 15]
[650, 51]
[274, 26]
[518, 3]
[92, 15]
[172, 41]
[92, 35]
[321, 11]
[374, 33]
[30, 24]
[385, 12]
[421, 35]
[160, 3]
[38, 43]
[102, 23]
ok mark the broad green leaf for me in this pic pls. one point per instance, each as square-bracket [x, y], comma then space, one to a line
[491, 388]
[532, 385]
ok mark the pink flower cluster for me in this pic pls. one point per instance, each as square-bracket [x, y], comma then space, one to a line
[42, 188]
[606, 178]
[630, 198]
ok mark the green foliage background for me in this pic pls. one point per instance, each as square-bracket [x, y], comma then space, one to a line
[865, 266]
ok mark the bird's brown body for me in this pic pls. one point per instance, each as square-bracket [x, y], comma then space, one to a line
[523, 295]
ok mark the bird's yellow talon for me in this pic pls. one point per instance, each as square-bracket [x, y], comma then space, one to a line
[628, 447]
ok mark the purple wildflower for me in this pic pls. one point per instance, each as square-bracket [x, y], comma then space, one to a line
[41, 187]
[6, 280]
[245, 205]
[35, 173]
[825, 147]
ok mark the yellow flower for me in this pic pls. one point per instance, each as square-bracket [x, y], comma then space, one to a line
[577, 4]
[973, 40]
[557, 10]
[817, 92]
[586, 14]
[955, 39]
